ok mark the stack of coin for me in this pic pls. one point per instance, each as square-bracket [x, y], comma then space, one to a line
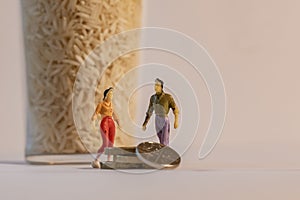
[147, 155]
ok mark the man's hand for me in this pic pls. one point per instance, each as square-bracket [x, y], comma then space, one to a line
[176, 124]
[176, 119]
[144, 127]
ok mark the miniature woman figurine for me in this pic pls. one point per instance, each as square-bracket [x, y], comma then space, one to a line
[107, 125]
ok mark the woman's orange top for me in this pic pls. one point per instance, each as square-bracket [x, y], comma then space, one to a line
[105, 108]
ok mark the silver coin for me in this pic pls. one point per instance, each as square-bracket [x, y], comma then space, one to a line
[158, 155]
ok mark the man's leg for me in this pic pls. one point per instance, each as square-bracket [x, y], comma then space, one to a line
[166, 132]
[160, 137]
[158, 126]
[162, 125]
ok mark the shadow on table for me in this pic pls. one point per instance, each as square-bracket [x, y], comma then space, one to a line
[13, 162]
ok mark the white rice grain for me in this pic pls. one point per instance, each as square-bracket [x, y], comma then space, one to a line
[59, 36]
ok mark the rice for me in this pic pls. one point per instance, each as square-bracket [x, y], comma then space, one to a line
[58, 36]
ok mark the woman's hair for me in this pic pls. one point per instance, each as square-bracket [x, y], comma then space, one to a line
[106, 91]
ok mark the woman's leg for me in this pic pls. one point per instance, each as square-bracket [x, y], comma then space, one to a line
[112, 132]
[111, 136]
[104, 130]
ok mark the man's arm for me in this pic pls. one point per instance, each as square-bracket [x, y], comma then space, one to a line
[175, 109]
[148, 113]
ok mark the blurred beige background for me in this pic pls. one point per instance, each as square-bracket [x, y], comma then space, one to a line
[255, 45]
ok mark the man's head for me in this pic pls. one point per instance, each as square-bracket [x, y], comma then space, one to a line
[159, 85]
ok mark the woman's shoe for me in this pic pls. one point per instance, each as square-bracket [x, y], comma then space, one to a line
[95, 163]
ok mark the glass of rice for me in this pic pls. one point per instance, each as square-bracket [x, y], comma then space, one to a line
[58, 35]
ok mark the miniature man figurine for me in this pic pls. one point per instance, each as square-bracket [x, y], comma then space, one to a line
[161, 103]
[107, 125]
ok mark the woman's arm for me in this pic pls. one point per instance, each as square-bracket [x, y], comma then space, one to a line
[116, 118]
[97, 111]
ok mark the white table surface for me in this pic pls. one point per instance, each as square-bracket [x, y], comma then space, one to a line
[225, 174]
[256, 46]
[22, 181]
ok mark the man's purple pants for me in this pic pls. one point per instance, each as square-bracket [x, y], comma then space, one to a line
[162, 126]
